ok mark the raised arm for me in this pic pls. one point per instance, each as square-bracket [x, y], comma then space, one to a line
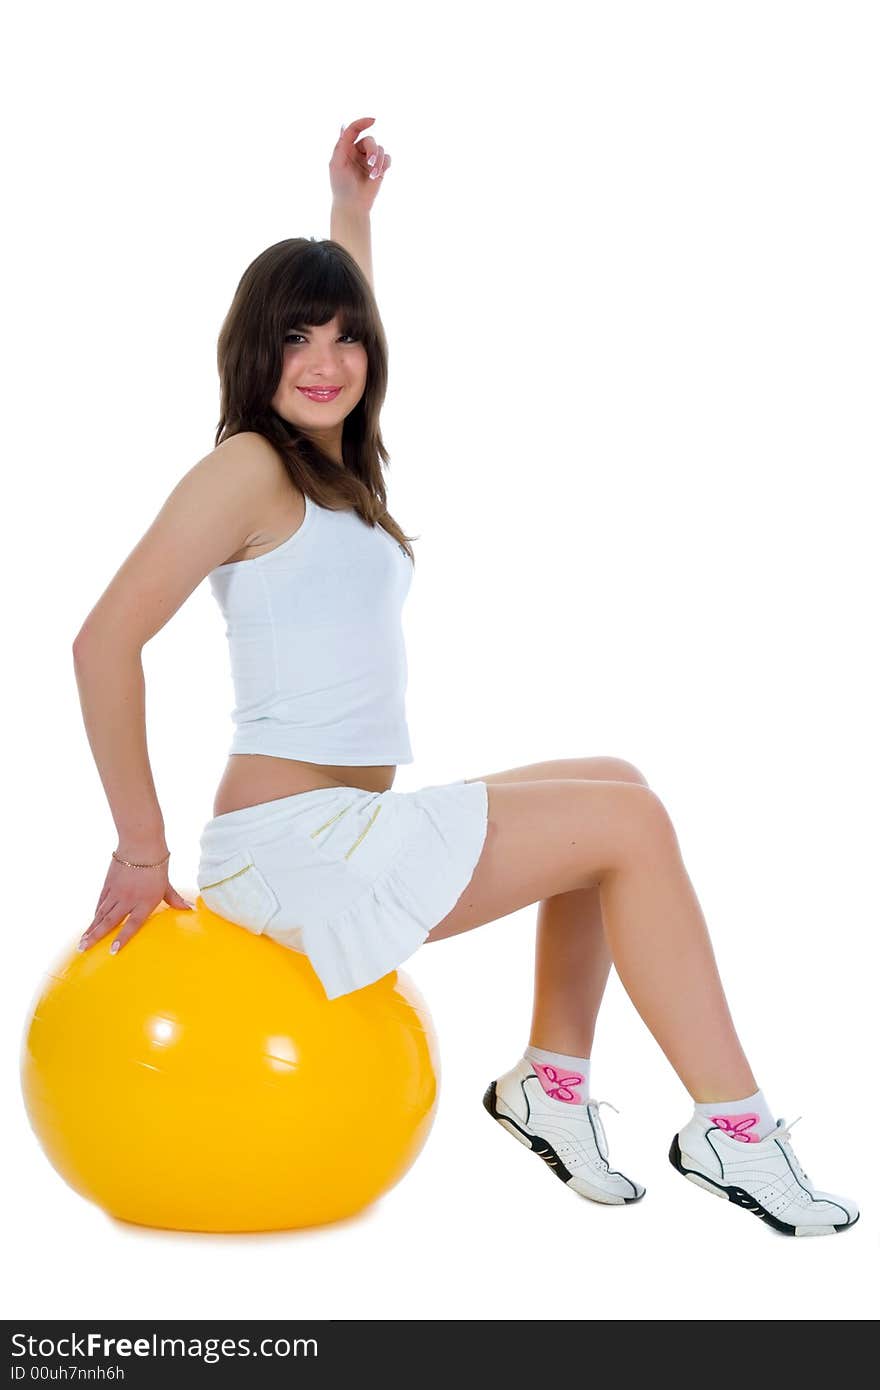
[354, 183]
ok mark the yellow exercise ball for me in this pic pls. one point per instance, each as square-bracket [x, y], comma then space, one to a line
[200, 1079]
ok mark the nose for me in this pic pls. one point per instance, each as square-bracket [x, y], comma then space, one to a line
[323, 362]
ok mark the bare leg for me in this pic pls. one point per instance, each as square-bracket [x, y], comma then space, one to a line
[663, 954]
[673, 961]
[572, 965]
[653, 924]
[572, 959]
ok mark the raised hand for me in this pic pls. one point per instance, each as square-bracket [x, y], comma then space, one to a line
[354, 181]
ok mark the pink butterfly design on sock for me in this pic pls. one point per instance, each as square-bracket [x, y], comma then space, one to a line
[558, 1086]
[736, 1125]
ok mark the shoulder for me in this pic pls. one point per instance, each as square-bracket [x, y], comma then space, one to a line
[252, 453]
[270, 500]
[253, 461]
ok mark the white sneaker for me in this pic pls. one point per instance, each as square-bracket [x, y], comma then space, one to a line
[763, 1177]
[569, 1138]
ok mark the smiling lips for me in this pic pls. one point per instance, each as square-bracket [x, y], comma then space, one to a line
[320, 393]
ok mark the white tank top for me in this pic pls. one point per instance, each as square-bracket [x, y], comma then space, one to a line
[316, 644]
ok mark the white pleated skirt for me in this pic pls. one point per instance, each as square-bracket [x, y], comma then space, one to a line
[354, 879]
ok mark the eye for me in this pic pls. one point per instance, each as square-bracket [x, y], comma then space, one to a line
[288, 336]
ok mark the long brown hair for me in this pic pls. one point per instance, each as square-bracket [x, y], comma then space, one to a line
[304, 281]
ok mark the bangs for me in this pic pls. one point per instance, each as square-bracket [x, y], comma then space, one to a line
[324, 291]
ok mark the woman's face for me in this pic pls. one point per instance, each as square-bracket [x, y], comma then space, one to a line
[320, 357]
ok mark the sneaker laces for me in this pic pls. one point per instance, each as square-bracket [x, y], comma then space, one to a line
[603, 1147]
[783, 1134]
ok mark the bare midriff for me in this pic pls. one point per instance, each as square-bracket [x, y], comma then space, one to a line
[251, 778]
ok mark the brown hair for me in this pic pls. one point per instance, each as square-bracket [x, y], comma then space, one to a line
[295, 282]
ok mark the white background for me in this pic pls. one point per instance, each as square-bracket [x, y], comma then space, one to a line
[626, 256]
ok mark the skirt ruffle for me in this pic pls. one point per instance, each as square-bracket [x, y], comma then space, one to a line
[390, 919]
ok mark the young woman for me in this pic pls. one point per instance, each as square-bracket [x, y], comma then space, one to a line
[308, 842]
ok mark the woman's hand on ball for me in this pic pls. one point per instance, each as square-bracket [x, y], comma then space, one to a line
[133, 894]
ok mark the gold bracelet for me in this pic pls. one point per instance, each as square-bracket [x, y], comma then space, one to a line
[130, 865]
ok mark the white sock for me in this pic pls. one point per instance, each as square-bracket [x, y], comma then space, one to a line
[565, 1079]
[748, 1120]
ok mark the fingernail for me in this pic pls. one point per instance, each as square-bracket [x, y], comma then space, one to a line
[81, 946]
[114, 948]
[372, 160]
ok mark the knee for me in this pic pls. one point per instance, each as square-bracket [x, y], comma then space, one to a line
[649, 824]
[619, 770]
